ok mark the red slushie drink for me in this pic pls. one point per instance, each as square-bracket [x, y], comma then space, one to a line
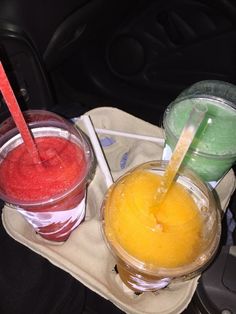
[50, 194]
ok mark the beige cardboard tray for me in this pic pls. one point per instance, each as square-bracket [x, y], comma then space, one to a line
[85, 255]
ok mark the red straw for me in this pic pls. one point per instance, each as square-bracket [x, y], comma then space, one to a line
[17, 115]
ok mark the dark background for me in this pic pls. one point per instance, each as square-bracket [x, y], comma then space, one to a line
[75, 55]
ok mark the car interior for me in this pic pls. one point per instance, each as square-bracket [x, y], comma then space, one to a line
[73, 56]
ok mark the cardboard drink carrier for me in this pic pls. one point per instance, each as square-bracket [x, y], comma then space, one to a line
[85, 255]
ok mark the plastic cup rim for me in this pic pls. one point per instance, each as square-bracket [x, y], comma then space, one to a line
[56, 197]
[165, 271]
[201, 96]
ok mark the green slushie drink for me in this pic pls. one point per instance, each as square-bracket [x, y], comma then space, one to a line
[213, 151]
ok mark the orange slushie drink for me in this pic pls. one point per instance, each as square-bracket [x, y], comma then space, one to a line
[153, 243]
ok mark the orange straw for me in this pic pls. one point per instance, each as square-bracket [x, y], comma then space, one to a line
[186, 137]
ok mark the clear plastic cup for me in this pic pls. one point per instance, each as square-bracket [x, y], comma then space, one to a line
[173, 244]
[215, 88]
[213, 151]
[50, 195]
